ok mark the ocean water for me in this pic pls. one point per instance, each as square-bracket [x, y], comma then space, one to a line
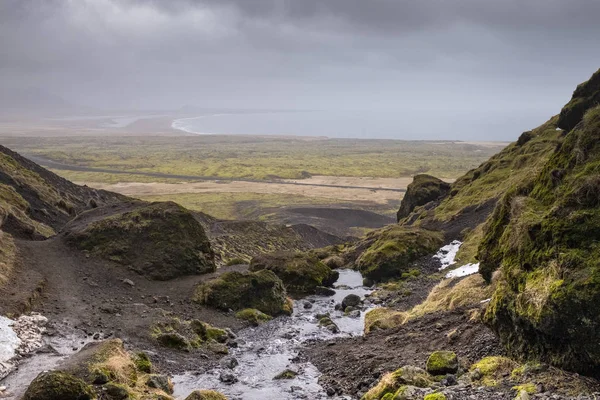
[338, 124]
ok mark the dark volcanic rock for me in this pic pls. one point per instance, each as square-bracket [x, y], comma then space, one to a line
[422, 190]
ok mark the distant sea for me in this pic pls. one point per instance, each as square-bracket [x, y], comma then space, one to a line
[338, 124]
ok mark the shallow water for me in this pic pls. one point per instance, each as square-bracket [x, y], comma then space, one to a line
[271, 348]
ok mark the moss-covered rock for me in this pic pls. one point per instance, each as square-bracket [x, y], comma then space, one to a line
[392, 249]
[300, 272]
[116, 391]
[423, 189]
[442, 362]
[287, 374]
[173, 340]
[160, 382]
[56, 385]
[396, 381]
[327, 323]
[261, 290]
[160, 240]
[205, 395]
[253, 316]
[384, 318]
[544, 239]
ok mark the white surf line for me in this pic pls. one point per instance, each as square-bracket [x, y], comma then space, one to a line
[179, 123]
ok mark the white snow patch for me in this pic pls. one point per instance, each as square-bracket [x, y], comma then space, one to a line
[465, 270]
[18, 338]
[447, 254]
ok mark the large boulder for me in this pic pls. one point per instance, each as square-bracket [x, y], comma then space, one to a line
[394, 383]
[391, 251]
[442, 362]
[543, 239]
[55, 385]
[261, 290]
[160, 240]
[423, 189]
[300, 272]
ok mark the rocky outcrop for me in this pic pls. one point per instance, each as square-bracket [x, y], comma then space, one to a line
[261, 290]
[55, 385]
[586, 96]
[301, 273]
[389, 252]
[159, 240]
[423, 189]
[542, 238]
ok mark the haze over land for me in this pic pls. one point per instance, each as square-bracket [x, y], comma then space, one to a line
[466, 69]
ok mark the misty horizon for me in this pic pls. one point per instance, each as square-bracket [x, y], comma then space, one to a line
[469, 69]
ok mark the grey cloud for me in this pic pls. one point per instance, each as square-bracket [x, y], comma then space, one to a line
[474, 57]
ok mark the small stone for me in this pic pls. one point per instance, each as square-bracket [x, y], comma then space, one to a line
[307, 305]
[128, 282]
[352, 300]
[229, 362]
[287, 374]
[324, 291]
[228, 378]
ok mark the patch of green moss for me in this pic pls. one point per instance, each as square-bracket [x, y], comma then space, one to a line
[492, 369]
[261, 290]
[435, 396]
[300, 272]
[442, 362]
[390, 251]
[529, 388]
[142, 362]
[253, 316]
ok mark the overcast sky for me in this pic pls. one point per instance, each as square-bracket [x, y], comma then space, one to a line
[506, 63]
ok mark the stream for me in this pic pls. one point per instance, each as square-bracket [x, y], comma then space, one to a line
[265, 351]
[262, 353]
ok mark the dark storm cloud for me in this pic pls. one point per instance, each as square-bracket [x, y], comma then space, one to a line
[462, 58]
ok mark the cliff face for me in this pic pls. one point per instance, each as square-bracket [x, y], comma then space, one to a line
[533, 214]
[543, 240]
[424, 189]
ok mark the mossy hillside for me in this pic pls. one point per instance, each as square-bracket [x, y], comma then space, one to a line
[15, 218]
[300, 272]
[261, 290]
[391, 250]
[34, 202]
[543, 237]
[160, 240]
[423, 189]
[472, 196]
